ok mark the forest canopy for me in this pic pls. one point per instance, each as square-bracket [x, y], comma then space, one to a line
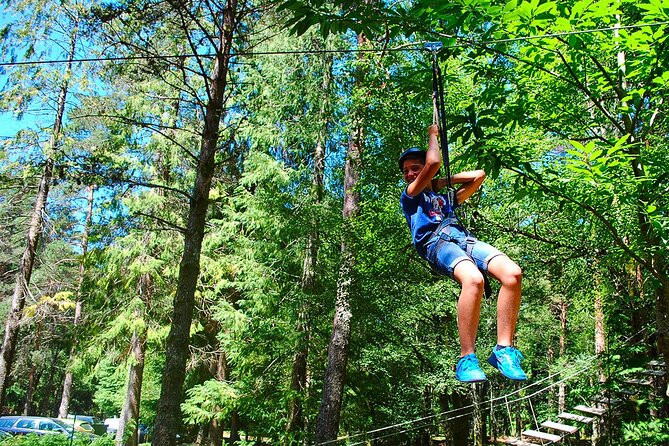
[200, 229]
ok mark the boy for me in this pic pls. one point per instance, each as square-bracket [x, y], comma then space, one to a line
[450, 249]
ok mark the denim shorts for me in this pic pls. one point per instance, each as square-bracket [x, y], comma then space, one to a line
[454, 250]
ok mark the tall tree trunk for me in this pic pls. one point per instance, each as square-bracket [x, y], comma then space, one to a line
[47, 393]
[128, 423]
[478, 426]
[234, 427]
[647, 195]
[32, 375]
[34, 233]
[69, 377]
[215, 437]
[298, 382]
[600, 333]
[662, 321]
[126, 435]
[327, 422]
[168, 411]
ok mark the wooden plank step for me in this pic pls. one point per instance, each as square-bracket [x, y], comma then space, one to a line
[591, 410]
[574, 417]
[626, 392]
[657, 373]
[542, 435]
[602, 399]
[655, 363]
[560, 427]
[639, 382]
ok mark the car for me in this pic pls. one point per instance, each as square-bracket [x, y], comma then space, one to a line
[20, 425]
[112, 425]
[82, 426]
[87, 418]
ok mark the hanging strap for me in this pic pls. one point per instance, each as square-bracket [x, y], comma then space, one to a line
[439, 108]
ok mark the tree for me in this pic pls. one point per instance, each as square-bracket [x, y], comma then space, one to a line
[69, 15]
[69, 377]
[129, 420]
[327, 423]
[216, 25]
[611, 128]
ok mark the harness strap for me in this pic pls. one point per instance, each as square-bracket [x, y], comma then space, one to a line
[443, 232]
[439, 114]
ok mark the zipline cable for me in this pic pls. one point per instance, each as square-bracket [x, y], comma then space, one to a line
[505, 398]
[467, 42]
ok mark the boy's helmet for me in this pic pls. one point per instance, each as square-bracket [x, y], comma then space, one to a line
[414, 152]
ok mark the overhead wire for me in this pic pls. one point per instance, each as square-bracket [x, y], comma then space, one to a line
[417, 46]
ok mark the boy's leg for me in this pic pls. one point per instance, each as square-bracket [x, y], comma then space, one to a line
[469, 304]
[509, 275]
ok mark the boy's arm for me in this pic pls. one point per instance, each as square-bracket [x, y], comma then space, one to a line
[432, 164]
[439, 183]
[470, 182]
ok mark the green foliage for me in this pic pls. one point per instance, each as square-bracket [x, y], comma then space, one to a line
[211, 400]
[56, 440]
[573, 141]
[646, 432]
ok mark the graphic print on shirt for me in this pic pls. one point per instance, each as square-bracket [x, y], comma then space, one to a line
[438, 203]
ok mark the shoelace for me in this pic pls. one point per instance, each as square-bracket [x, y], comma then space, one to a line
[514, 355]
[470, 363]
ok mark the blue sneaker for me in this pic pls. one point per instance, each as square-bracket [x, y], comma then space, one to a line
[507, 361]
[468, 370]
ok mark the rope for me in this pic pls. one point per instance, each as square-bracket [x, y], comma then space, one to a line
[464, 408]
[439, 115]
[534, 415]
[508, 410]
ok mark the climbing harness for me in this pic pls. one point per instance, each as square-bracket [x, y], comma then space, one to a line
[443, 235]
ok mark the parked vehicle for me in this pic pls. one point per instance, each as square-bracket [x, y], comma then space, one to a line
[88, 418]
[19, 425]
[112, 425]
[82, 426]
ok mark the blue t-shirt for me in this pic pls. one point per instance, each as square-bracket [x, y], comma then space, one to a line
[424, 213]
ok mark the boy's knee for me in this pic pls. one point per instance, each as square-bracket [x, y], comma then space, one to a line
[513, 276]
[473, 281]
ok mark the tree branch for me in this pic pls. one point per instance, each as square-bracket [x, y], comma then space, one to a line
[618, 240]
[535, 236]
[581, 86]
[169, 224]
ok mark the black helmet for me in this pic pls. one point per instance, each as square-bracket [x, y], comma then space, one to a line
[413, 152]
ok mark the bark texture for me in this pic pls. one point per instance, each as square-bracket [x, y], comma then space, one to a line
[327, 422]
[168, 411]
[298, 383]
[221, 372]
[563, 349]
[127, 434]
[68, 381]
